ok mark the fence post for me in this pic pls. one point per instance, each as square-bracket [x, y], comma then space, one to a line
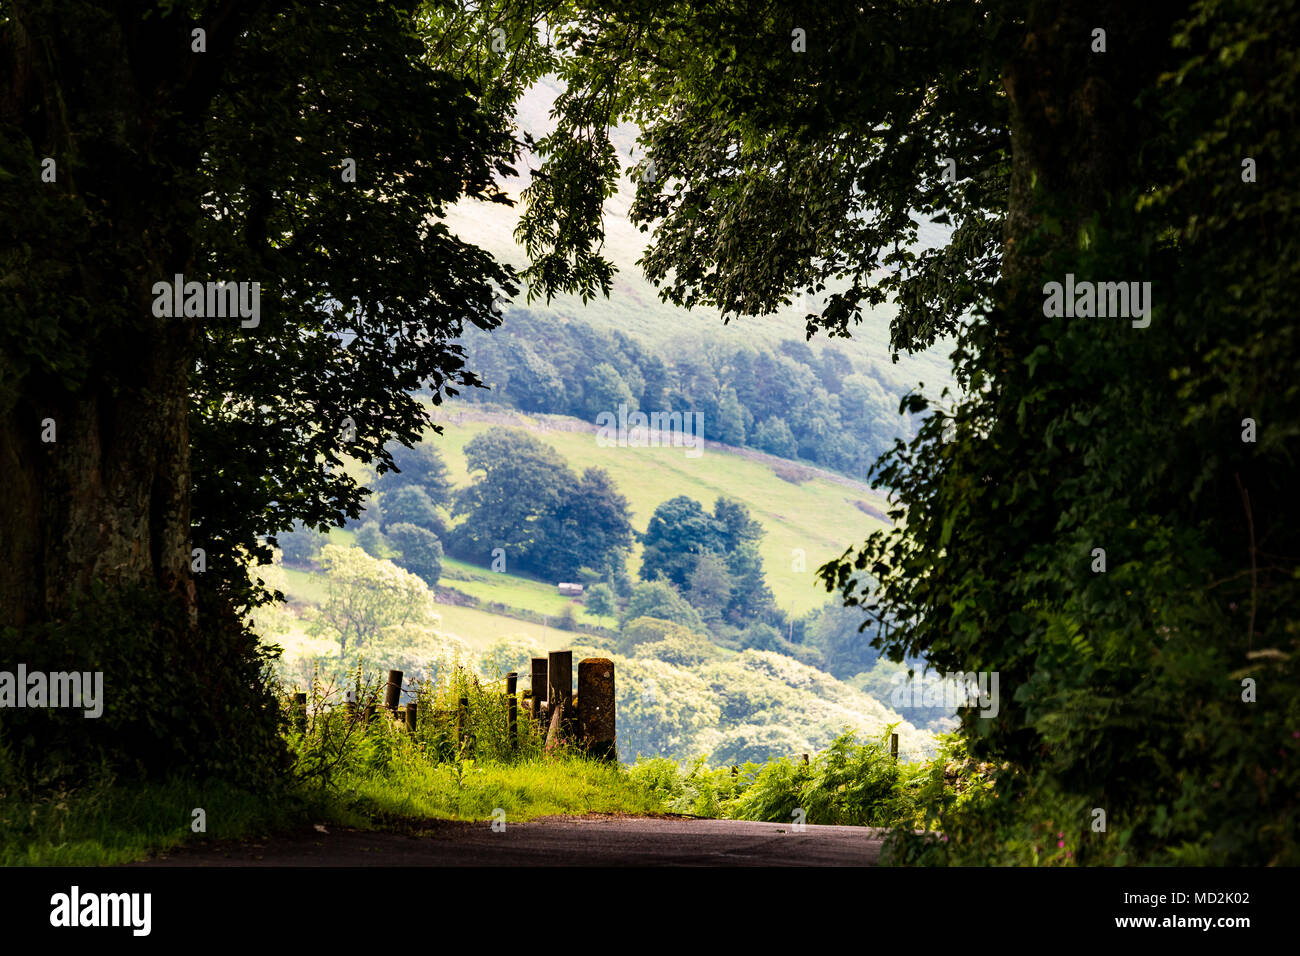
[805, 760]
[411, 717]
[553, 734]
[393, 692]
[559, 684]
[893, 746]
[596, 708]
[512, 709]
[539, 685]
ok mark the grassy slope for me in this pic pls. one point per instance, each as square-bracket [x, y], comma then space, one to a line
[817, 516]
[477, 628]
[513, 591]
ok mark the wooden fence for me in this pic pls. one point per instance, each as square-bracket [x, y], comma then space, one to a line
[586, 717]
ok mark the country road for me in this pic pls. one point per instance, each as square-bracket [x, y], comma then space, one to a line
[558, 841]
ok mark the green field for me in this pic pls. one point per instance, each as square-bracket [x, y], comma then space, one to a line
[513, 591]
[477, 628]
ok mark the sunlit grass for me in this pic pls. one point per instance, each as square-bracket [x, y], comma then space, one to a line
[105, 826]
[416, 789]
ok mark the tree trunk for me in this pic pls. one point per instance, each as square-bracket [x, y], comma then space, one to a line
[1075, 132]
[117, 104]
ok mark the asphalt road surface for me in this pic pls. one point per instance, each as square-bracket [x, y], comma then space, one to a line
[558, 841]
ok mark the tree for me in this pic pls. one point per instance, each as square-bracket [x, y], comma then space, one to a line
[421, 466]
[366, 597]
[737, 527]
[165, 433]
[605, 390]
[409, 504]
[682, 541]
[671, 643]
[599, 601]
[508, 654]
[1079, 438]
[751, 598]
[421, 551]
[773, 436]
[662, 709]
[516, 482]
[729, 426]
[590, 528]
[710, 586]
[679, 531]
[659, 599]
[534, 382]
[301, 545]
[762, 637]
[370, 539]
[845, 640]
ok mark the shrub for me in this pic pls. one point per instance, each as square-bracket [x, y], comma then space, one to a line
[420, 550]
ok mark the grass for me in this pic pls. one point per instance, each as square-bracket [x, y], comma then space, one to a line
[479, 628]
[114, 824]
[109, 824]
[515, 592]
[805, 523]
[304, 587]
[504, 588]
[420, 790]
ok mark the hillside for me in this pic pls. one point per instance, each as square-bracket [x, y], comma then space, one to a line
[814, 512]
[675, 700]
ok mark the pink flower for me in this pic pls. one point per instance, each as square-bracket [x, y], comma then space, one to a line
[1060, 843]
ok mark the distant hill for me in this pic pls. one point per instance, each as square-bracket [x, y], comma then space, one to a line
[634, 306]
